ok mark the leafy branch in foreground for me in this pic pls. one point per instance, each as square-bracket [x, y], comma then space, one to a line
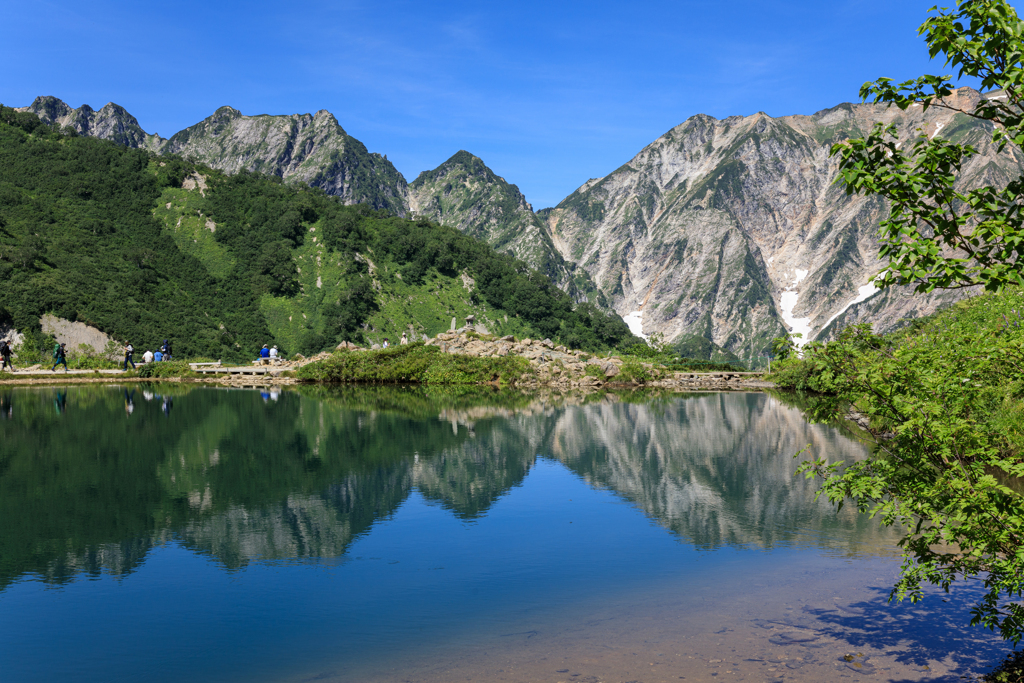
[944, 401]
[938, 235]
[947, 465]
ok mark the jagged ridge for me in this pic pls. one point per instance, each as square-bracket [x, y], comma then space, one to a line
[465, 194]
[311, 148]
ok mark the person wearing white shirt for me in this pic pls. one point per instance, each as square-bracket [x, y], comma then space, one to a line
[147, 357]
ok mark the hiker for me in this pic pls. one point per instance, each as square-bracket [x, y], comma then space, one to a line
[273, 352]
[166, 350]
[60, 355]
[147, 357]
[265, 352]
[5, 353]
[129, 351]
[158, 356]
[404, 340]
[386, 344]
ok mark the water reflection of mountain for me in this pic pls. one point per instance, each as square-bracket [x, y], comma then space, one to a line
[714, 469]
[241, 479]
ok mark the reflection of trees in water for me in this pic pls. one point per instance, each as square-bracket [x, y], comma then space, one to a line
[241, 480]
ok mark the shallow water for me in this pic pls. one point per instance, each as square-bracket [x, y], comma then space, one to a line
[396, 534]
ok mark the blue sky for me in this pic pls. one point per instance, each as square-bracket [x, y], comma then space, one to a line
[548, 94]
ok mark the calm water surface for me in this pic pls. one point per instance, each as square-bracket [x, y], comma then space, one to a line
[169, 534]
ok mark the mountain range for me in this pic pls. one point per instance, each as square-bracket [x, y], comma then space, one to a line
[717, 237]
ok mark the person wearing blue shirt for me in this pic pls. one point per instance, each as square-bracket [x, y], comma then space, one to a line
[158, 356]
[265, 352]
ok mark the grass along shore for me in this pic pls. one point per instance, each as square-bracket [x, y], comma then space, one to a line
[463, 357]
[944, 402]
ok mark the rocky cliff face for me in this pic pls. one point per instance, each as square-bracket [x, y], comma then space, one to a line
[735, 231]
[111, 122]
[465, 194]
[311, 148]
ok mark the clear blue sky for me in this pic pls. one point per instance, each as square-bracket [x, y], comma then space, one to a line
[548, 94]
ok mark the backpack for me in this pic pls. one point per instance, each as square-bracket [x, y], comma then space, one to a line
[56, 351]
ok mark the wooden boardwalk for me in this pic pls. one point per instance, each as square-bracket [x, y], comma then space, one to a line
[240, 370]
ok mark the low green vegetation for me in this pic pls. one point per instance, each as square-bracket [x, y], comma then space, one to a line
[669, 358]
[639, 372]
[697, 348]
[146, 248]
[414, 363]
[944, 400]
[166, 370]
[82, 358]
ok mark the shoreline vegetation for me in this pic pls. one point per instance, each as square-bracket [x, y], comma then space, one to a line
[466, 357]
[462, 357]
[943, 403]
[944, 398]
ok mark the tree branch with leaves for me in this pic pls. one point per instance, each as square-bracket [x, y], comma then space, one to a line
[938, 236]
[939, 399]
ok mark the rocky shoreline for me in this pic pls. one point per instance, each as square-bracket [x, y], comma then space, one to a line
[557, 366]
[552, 366]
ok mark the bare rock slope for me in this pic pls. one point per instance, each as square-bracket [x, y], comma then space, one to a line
[734, 230]
[311, 148]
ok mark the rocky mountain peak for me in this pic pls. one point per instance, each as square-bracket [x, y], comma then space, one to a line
[48, 108]
[735, 231]
[111, 122]
[463, 192]
[326, 119]
[225, 113]
[311, 148]
[461, 160]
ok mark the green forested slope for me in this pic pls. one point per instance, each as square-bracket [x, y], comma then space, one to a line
[146, 248]
[464, 193]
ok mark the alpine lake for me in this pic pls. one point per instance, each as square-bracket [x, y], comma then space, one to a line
[175, 533]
